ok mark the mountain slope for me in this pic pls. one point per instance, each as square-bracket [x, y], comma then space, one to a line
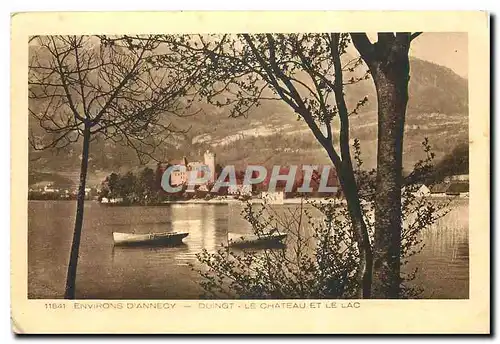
[437, 109]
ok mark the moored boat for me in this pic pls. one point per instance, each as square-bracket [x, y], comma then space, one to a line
[265, 239]
[170, 238]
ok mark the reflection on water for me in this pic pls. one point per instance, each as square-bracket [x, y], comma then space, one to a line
[105, 271]
[443, 264]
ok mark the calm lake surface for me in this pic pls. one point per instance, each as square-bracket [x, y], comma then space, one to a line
[106, 272]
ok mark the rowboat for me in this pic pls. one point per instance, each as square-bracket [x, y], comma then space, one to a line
[171, 238]
[266, 239]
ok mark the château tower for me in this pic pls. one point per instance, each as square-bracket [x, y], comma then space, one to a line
[209, 159]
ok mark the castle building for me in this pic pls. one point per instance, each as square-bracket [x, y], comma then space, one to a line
[179, 177]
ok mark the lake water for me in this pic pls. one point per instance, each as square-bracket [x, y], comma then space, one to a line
[108, 272]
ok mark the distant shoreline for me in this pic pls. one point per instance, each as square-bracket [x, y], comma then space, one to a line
[286, 201]
[217, 202]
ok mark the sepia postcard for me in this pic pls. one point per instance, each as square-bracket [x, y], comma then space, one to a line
[250, 172]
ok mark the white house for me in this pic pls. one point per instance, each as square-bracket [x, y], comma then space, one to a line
[49, 188]
[422, 191]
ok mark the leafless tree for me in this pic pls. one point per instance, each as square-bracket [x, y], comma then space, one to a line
[84, 87]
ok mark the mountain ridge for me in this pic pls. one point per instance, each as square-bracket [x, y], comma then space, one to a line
[437, 108]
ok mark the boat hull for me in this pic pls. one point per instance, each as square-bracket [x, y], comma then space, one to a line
[265, 240]
[162, 239]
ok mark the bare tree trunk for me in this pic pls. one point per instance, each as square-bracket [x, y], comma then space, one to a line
[391, 81]
[390, 69]
[351, 194]
[75, 245]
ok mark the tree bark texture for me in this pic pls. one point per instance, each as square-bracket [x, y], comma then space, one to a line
[77, 233]
[390, 67]
[391, 80]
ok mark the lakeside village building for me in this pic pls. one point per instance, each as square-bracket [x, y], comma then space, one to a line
[180, 177]
[47, 190]
[452, 186]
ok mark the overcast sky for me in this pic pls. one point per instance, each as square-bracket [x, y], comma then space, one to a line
[444, 48]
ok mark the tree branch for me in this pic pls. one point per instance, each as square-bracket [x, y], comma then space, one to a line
[414, 35]
[340, 99]
[363, 45]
